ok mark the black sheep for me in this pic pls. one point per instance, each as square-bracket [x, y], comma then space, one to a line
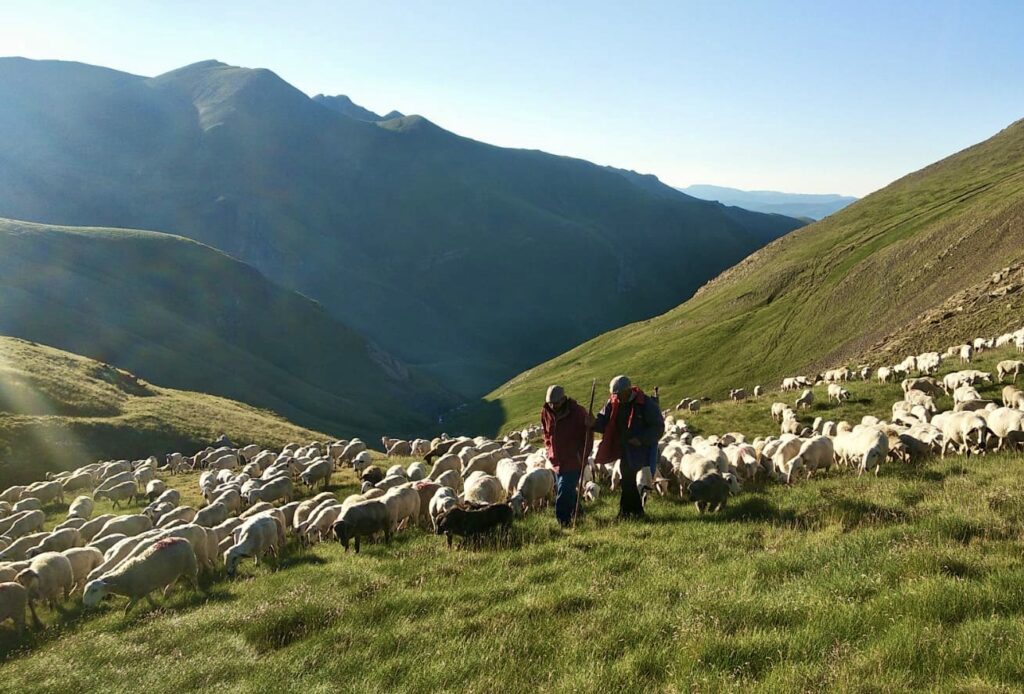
[474, 522]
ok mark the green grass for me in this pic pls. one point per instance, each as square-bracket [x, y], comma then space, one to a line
[59, 410]
[903, 270]
[908, 581]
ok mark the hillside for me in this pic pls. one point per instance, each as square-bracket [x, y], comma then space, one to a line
[183, 315]
[451, 254]
[910, 577]
[60, 410]
[877, 272]
[799, 205]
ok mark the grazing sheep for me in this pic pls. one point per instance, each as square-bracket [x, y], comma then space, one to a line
[13, 601]
[535, 489]
[46, 492]
[279, 488]
[966, 354]
[185, 514]
[779, 411]
[444, 500]
[154, 488]
[319, 471]
[81, 507]
[838, 393]
[129, 525]
[758, 391]
[363, 519]
[29, 503]
[255, 538]
[18, 549]
[125, 491]
[78, 481]
[591, 491]
[814, 453]
[711, 491]
[94, 525]
[12, 495]
[47, 578]
[403, 505]
[160, 566]
[483, 489]
[20, 524]
[805, 400]
[416, 471]
[883, 374]
[451, 478]
[474, 522]
[57, 541]
[738, 394]
[211, 515]
[1009, 366]
[83, 561]
[1007, 425]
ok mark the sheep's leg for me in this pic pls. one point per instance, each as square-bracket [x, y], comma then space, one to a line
[129, 606]
[357, 542]
[35, 618]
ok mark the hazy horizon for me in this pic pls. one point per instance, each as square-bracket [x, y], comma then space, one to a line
[793, 97]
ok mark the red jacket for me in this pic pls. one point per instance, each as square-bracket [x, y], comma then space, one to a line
[566, 437]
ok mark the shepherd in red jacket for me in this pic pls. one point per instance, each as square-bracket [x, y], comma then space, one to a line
[568, 440]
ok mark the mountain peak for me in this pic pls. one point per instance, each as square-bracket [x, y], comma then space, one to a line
[346, 107]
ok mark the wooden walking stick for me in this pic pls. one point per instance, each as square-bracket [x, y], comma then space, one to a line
[583, 463]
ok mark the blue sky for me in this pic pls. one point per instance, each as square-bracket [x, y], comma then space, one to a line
[795, 96]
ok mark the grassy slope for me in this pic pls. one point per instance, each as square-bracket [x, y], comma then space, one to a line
[186, 316]
[59, 410]
[820, 295]
[911, 580]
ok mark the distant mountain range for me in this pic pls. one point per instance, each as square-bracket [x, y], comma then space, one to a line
[469, 261]
[931, 260]
[799, 205]
[344, 105]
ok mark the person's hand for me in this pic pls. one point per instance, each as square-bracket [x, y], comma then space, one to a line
[634, 442]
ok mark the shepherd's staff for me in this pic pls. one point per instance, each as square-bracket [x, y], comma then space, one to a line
[583, 464]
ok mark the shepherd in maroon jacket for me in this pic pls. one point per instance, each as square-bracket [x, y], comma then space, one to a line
[568, 440]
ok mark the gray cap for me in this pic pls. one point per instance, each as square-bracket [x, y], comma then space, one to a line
[555, 394]
[619, 384]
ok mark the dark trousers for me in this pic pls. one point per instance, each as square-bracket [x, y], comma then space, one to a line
[565, 496]
[630, 504]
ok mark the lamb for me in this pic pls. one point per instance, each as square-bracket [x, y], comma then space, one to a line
[535, 488]
[363, 519]
[13, 601]
[125, 491]
[711, 491]
[255, 538]
[57, 541]
[47, 578]
[474, 523]
[81, 507]
[83, 561]
[591, 491]
[483, 489]
[1009, 366]
[319, 471]
[444, 500]
[160, 566]
[805, 400]
[403, 505]
[278, 488]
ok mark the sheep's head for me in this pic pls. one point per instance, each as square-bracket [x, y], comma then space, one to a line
[95, 591]
[28, 578]
[231, 559]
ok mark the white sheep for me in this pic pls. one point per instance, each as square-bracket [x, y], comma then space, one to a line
[444, 500]
[279, 488]
[483, 489]
[508, 472]
[448, 461]
[1008, 367]
[838, 393]
[319, 471]
[814, 454]
[805, 400]
[125, 491]
[403, 505]
[84, 560]
[13, 601]
[46, 492]
[47, 578]
[591, 491]
[18, 549]
[416, 471]
[160, 566]
[21, 524]
[535, 489]
[57, 541]
[255, 538]
[81, 507]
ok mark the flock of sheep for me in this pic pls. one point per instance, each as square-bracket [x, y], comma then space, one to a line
[462, 487]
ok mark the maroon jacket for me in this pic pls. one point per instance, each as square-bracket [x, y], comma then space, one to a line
[566, 437]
